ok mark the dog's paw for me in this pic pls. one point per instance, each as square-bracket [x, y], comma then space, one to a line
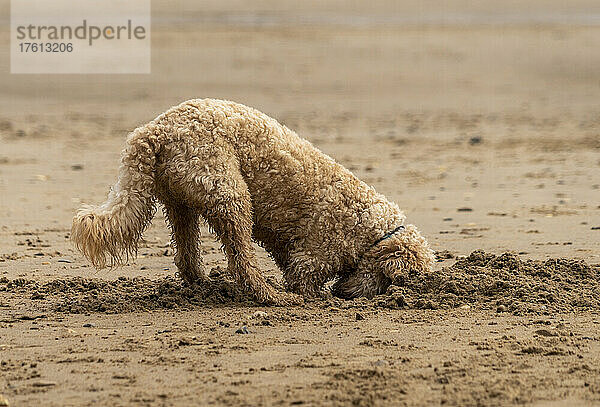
[285, 300]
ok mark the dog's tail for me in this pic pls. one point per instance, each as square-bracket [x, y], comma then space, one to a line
[108, 234]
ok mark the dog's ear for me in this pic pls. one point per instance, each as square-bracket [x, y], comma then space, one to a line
[404, 253]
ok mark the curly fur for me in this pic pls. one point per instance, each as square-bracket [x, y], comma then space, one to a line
[251, 178]
[388, 261]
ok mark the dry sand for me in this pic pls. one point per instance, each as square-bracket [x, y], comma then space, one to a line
[483, 124]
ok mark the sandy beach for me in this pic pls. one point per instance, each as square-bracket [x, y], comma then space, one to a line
[482, 124]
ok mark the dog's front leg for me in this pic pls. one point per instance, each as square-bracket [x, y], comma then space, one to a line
[306, 275]
[233, 225]
[223, 199]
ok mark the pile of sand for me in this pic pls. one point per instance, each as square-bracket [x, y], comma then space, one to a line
[504, 282]
[83, 295]
[486, 281]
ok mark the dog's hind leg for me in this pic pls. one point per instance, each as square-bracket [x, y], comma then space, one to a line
[185, 230]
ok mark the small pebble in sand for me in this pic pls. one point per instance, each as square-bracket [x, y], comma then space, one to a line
[37, 296]
[77, 167]
[501, 308]
[259, 314]
[242, 330]
[545, 332]
[475, 140]
[465, 209]
[359, 316]
[88, 325]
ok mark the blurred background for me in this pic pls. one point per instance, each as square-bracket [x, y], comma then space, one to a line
[480, 119]
[344, 55]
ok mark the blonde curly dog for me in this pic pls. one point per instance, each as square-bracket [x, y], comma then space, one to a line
[250, 177]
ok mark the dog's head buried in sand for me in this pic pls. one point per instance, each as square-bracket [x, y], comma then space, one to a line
[391, 258]
[251, 179]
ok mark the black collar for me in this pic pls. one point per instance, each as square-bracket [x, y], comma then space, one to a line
[388, 235]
